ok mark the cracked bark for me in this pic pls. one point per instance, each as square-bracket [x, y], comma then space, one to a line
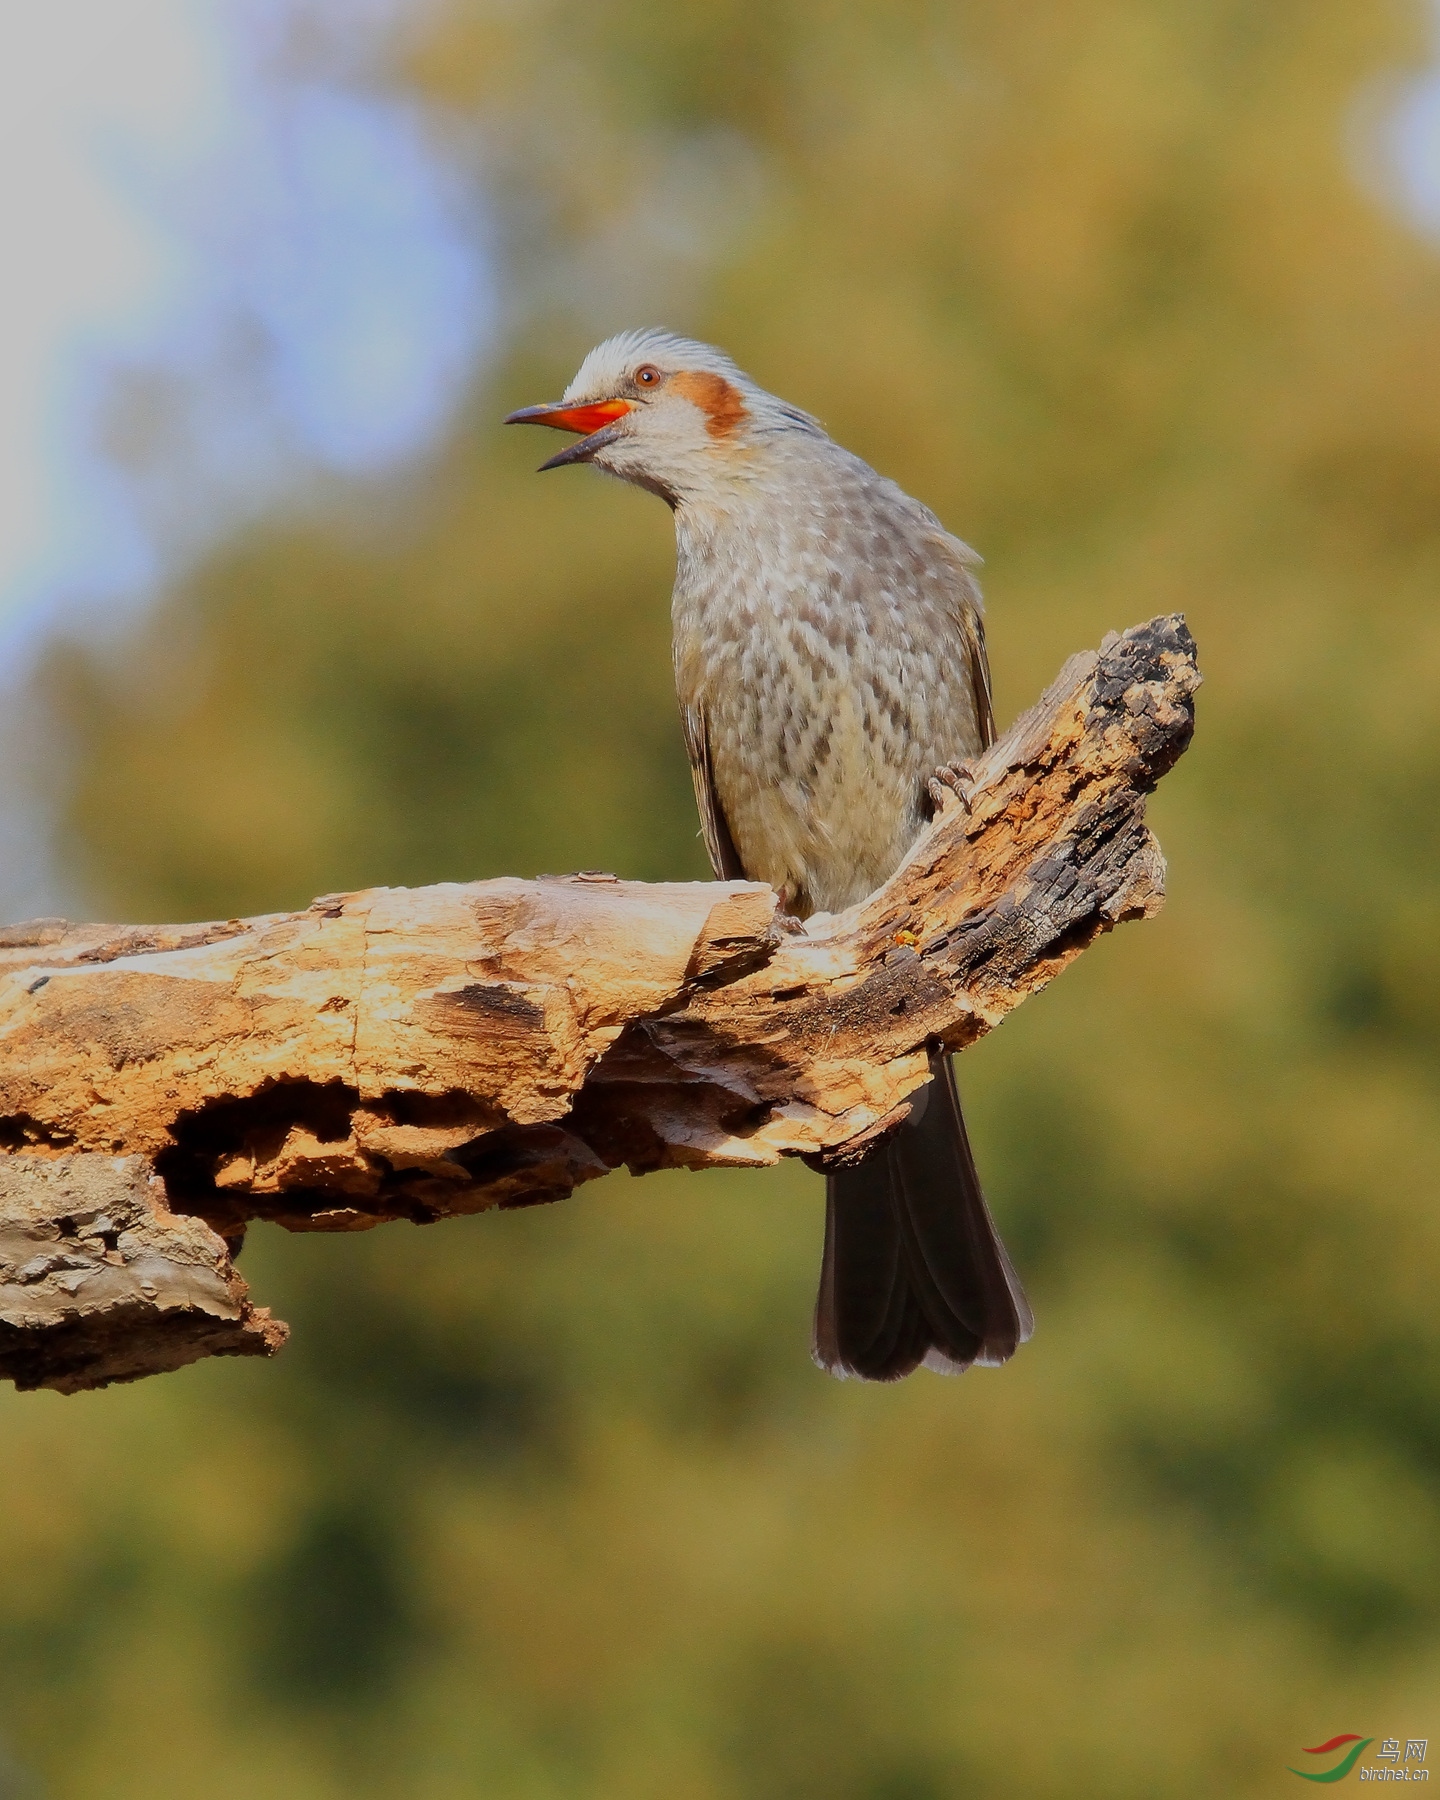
[414, 1054]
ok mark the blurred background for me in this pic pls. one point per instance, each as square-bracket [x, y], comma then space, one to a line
[1143, 297]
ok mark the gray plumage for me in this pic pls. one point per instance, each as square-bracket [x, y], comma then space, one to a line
[829, 657]
[829, 652]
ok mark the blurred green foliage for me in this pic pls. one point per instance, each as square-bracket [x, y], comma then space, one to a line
[552, 1503]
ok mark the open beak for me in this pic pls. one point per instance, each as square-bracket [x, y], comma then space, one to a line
[596, 421]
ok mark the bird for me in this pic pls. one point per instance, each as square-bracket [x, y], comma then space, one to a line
[830, 665]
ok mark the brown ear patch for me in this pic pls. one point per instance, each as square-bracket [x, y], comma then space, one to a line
[716, 397]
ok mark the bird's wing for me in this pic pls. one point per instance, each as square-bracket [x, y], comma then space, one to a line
[968, 615]
[724, 857]
[973, 625]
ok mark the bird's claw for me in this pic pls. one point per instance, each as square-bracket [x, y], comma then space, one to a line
[785, 924]
[951, 782]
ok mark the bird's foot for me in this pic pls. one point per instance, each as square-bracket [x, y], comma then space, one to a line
[786, 919]
[785, 924]
[950, 782]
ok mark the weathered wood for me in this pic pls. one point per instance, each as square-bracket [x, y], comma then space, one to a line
[101, 1282]
[412, 1054]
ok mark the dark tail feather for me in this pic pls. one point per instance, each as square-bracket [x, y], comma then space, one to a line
[914, 1270]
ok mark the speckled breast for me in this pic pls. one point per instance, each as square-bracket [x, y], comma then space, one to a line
[828, 630]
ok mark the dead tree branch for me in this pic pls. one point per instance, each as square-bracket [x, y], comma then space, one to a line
[413, 1054]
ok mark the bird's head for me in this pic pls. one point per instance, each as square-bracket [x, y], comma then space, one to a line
[668, 414]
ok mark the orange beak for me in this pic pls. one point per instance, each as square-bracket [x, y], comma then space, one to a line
[596, 420]
[584, 419]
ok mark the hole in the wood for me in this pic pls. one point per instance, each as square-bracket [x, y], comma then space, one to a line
[1075, 938]
[748, 1117]
[18, 1131]
[543, 1154]
[255, 1124]
[438, 1110]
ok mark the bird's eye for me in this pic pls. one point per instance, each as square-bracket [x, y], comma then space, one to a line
[647, 375]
